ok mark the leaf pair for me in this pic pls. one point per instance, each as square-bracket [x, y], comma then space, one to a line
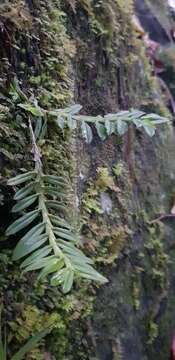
[65, 277]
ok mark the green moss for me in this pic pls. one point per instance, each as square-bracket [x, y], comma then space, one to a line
[136, 291]
[156, 277]
[113, 244]
[104, 180]
[158, 258]
[102, 51]
[32, 320]
[28, 306]
[108, 240]
[152, 331]
[118, 169]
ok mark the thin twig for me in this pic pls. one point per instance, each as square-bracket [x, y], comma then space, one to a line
[35, 151]
[161, 217]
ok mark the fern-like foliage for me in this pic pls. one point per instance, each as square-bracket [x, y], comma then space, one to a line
[50, 245]
[116, 123]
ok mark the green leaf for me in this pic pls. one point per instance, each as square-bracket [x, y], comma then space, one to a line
[13, 93]
[54, 192]
[53, 266]
[150, 130]
[89, 277]
[24, 203]
[32, 109]
[55, 205]
[79, 260]
[35, 231]
[137, 122]
[39, 264]
[68, 245]
[24, 191]
[22, 222]
[158, 122]
[71, 122]
[70, 249]
[122, 115]
[30, 344]
[54, 180]
[157, 118]
[135, 114]
[60, 121]
[88, 272]
[43, 130]
[68, 281]
[63, 230]
[38, 127]
[64, 235]
[73, 252]
[59, 221]
[101, 130]
[121, 127]
[58, 278]
[80, 257]
[110, 127]
[74, 109]
[3, 353]
[56, 113]
[86, 132]
[19, 179]
[24, 248]
[38, 254]
[15, 88]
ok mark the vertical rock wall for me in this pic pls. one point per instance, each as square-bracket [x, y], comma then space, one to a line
[89, 51]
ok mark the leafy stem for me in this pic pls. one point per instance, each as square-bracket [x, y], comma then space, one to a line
[51, 245]
[42, 200]
[48, 226]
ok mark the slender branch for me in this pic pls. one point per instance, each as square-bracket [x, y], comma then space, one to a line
[49, 231]
[161, 217]
[35, 150]
[38, 164]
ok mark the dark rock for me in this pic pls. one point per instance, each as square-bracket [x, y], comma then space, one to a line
[150, 23]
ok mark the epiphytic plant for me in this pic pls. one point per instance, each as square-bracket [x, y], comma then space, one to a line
[50, 244]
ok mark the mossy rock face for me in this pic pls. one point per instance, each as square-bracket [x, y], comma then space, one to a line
[131, 309]
[87, 50]
[129, 312]
[156, 19]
